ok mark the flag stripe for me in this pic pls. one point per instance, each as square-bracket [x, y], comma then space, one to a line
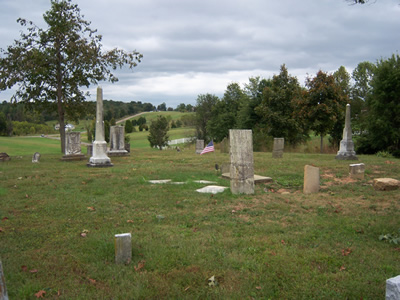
[208, 148]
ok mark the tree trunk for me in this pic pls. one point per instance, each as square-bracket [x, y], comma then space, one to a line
[322, 143]
[60, 104]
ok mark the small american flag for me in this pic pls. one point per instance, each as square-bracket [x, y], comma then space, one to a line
[208, 148]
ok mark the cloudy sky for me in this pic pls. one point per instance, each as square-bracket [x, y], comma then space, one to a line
[196, 47]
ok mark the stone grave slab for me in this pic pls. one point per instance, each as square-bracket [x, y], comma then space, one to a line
[204, 181]
[393, 288]
[386, 184]
[163, 181]
[212, 189]
[257, 178]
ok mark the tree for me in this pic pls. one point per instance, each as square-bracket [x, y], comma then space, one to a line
[158, 135]
[323, 105]
[162, 107]
[51, 65]
[204, 106]
[128, 126]
[278, 106]
[384, 107]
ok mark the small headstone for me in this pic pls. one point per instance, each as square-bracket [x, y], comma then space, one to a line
[346, 150]
[386, 184]
[199, 146]
[242, 163]
[311, 180]
[128, 147]
[117, 141]
[36, 157]
[73, 147]
[279, 144]
[3, 289]
[224, 145]
[357, 171]
[123, 248]
[393, 288]
[89, 150]
[4, 157]
[212, 189]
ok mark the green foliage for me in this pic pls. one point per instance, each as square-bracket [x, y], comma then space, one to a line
[158, 134]
[391, 238]
[25, 128]
[50, 65]
[278, 108]
[128, 126]
[204, 105]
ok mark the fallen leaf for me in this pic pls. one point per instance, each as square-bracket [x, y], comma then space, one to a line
[92, 281]
[1, 229]
[4, 219]
[130, 221]
[346, 252]
[83, 182]
[83, 234]
[195, 229]
[19, 178]
[24, 268]
[258, 287]
[283, 242]
[389, 162]
[91, 208]
[26, 196]
[125, 178]
[33, 271]
[273, 253]
[187, 288]
[140, 265]
[40, 294]
[342, 268]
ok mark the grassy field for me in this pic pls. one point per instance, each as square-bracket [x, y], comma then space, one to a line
[275, 244]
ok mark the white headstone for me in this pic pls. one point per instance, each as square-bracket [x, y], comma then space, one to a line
[393, 288]
[346, 150]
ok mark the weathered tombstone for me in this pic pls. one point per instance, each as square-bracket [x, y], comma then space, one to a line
[357, 171]
[99, 158]
[73, 146]
[311, 180]
[393, 288]
[123, 248]
[3, 289]
[89, 150]
[4, 157]
[36, 157]
[242, 164]
[128, 147]
[224, 146]
[279, 144]
[346, 150]
[386, 184]
[117, 141]
[199, 146]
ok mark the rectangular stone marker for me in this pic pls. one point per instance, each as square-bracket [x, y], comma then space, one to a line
[277, 151]
[311, 180]
[89, 150]
[3, 289]
[357, 171]
[117, 141]
[123, 248]
[72, 143]
[242, 163]
[224, 146]
[199, 146]
[393, 288]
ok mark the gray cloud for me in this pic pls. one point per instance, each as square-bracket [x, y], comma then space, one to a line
[196, 47]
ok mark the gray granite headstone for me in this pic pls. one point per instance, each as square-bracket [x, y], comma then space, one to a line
[117, 141]
[3, 289]
[393, 288]
[199, 146]
[36, 157]
[279, 144]
[123, 248]
[242, 163]
[346, 150]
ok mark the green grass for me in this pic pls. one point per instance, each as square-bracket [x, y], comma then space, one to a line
[263, 246]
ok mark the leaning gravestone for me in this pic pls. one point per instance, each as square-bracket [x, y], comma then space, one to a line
[199, 146]
[117, 141]
[3, 289]
[123, 248]
[346, 150]
[73, 146]
[242, 163]
[99, 158]
[36, 157]
[357, 171]
[4, 156]
[311, 180]
[393, 288]
[89, 150]
[277, 151]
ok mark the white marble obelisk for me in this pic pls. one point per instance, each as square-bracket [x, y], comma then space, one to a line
[99, 158]
[346, 150]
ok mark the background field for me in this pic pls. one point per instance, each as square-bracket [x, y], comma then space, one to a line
[267, 245]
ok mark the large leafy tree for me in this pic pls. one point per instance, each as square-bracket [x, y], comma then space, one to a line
[384, 107]
[158, 132]
[204, 107]
[323, 105]
[278, 108]
[49, 66]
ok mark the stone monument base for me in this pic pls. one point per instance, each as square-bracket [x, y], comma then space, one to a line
[104, 164]
[73, 157]
[116, 153]
[257, 178]
[346, 156]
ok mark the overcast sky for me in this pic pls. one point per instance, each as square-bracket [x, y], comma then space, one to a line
[197, 47]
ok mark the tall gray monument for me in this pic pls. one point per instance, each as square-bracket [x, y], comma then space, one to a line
[242, 163]
[99, 158]
[346, 150]
[117, 141]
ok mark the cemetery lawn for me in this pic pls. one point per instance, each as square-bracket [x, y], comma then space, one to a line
[58, 221]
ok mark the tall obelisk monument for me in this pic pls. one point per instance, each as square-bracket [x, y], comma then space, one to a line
[99, 158]
[346, 150]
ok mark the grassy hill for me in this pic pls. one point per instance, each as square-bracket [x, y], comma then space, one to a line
[58, 221]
